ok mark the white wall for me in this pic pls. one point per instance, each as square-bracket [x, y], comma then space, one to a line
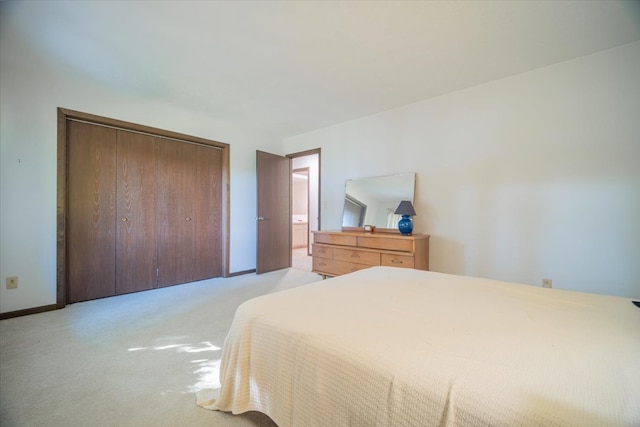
[528, 177]
[31, 89]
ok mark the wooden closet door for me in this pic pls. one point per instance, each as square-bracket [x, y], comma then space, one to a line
[207, 213]
[136, 253]
[91, 211]
[176, 175]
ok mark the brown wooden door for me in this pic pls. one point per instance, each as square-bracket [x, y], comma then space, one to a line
[176, 176]
[136, 238]
[189, 212]
[274, 212]
[207, 213]
[91, 211]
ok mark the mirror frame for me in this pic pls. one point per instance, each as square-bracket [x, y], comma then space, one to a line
[378, 229]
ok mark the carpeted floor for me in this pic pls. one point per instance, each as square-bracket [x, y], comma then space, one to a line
[130, 360]
[301, 260]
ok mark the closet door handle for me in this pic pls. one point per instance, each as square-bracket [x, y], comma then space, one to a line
[124, 219]
[187, 218]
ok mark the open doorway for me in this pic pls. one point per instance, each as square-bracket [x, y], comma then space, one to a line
[305, 206]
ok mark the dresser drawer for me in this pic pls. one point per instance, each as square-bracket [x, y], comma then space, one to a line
[387, 243]
[356, 256]
[405, 261]
[322, 251]
[335, 239]
[334, 267]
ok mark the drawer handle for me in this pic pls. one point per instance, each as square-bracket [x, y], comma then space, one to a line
[355, 256]
[396, 261]
[322, 264]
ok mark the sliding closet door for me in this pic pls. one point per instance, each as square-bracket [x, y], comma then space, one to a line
[91, 211]
[207, 208]
[139, 207]
[136, 236]
[189, 212]
[176, 176]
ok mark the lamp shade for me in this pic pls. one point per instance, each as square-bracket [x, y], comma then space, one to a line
[405, 208]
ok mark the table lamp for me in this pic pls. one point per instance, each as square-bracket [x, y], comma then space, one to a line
[405, 225]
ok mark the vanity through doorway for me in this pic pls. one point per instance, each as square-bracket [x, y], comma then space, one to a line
[305, 206]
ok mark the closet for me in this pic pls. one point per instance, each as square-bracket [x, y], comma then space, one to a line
[143, 211]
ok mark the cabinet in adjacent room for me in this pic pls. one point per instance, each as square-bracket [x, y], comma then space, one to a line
[300, 235]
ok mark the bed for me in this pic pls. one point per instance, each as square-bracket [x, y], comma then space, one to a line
[401, 347]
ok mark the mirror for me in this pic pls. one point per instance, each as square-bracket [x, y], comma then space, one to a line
[373, 201]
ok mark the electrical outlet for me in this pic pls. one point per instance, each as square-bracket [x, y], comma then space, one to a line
[546, 283]
[12, 282]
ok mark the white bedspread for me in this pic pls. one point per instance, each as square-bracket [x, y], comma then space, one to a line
[401, 347]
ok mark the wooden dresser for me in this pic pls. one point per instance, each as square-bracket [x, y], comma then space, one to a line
[341, 252]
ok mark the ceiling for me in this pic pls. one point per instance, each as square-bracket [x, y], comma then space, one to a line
[286, 68]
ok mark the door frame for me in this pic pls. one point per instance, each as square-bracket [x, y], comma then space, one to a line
[64, 115]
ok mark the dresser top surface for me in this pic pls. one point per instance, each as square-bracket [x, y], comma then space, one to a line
[395, 235]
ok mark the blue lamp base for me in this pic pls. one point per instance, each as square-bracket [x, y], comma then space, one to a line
[405, 225]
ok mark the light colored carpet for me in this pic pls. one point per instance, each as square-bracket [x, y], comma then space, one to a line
[301, 260]
[130, 360]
